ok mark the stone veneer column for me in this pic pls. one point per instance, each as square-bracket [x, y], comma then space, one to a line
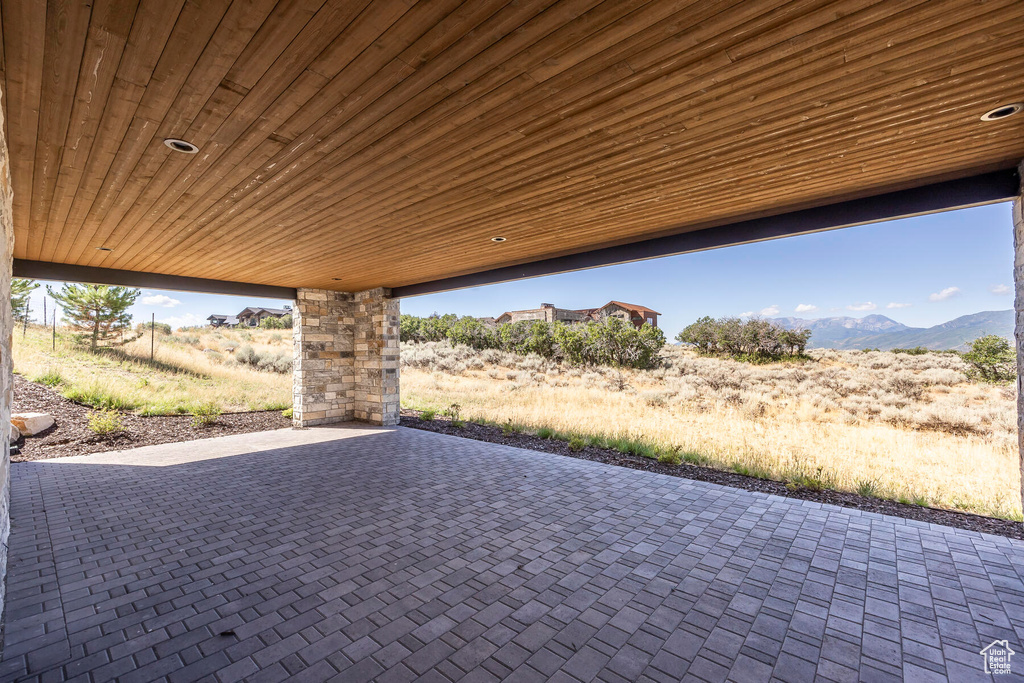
[6, 362]
[377, 357]
[346, 357]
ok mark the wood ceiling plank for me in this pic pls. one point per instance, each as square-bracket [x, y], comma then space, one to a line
[67, 25]
[108, 32]
[257, 185]
[411, 25]
[392, 155]
[24, 47]
[158, 164]
[139, 121]
[311, 170]
[149, 32]
[830, 143]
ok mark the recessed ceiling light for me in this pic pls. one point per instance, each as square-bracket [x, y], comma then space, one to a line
[181, 146]
[1003, 111]
[497, 239]
[104, 249]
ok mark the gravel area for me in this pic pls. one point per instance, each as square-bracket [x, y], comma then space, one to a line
[960, 520]
[70, 435]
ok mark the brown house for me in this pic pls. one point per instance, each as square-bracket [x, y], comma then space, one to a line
[638, 315]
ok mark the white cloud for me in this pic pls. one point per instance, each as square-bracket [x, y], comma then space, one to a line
[160, 300]
[893, 304]
[806, 308]
[746, 314]
[771, 310]
[1000, 289]
[187, 320]
[864, 306]
[947, 293]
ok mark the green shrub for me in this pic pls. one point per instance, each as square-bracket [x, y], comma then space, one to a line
[453, 413]
[992, 359]
[427, 415]
[510, 428]
[105, 422]
[205, 414]
[287, 412]
[610, 342]
[161, 328]
[272, 323]
[669, 458]
[577, 443]
[247, 355]
[754, 340]
[545, 432]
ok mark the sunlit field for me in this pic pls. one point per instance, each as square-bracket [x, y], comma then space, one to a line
[905, 427]
[189, 369]
[909, 428]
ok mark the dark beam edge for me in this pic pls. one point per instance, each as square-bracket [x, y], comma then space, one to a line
[986, 188]
[64, 272]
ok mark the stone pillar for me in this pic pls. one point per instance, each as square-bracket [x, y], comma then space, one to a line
[6, 362]
[1018, 283]
[346, 357]
[377, 357]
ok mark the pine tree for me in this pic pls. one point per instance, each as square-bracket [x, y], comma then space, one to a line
[100, 311]
[20, 291]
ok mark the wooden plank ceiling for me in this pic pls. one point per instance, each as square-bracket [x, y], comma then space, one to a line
[348, 144]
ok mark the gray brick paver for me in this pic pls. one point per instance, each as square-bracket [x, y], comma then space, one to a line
[360, 554]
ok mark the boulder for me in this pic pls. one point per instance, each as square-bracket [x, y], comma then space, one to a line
[15, 433]
[31, 424]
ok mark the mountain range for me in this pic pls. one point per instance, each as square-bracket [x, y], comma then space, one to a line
[880, 332]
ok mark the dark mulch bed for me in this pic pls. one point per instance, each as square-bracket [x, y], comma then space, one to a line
[961, 520]
[70, 435]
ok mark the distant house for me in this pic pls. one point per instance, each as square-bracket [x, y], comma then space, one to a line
[251, 316]
[217, 320]
[638, 315]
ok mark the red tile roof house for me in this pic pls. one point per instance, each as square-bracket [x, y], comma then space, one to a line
[638, 315]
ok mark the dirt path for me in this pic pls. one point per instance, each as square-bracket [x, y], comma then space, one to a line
[71, 434]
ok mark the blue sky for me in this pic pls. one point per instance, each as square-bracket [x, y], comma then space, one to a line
[920, 271]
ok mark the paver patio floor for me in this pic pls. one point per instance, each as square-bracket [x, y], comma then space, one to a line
[363, 554]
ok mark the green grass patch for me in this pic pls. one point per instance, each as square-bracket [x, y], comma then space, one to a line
[632, 447]
[50, 378]
[867, 488]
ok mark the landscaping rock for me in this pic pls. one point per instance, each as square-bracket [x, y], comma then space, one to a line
[31, 424]
[15, 433]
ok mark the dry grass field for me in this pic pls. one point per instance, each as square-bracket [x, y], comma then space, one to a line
[908, 427]
[911, 428]
[190, 369]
